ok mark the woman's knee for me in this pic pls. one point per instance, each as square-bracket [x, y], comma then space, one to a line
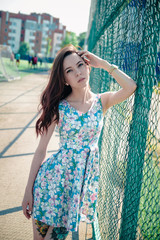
[40, 229]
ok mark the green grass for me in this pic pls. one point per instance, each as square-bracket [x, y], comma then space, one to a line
[23, 68]
[148, 212]
[156, 89]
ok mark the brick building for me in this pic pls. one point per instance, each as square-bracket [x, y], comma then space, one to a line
[42, 32]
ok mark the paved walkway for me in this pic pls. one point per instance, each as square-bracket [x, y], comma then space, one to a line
[18, 111]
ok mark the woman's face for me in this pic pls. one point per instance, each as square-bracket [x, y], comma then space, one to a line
[76, 71]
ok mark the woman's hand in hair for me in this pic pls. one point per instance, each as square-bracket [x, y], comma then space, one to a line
[90, 58]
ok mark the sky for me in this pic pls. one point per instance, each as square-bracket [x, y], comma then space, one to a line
[74, 14]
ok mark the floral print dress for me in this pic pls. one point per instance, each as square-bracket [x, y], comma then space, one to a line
[66, 186]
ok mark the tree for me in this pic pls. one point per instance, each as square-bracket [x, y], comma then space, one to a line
[70, 38]
[81, 39]
[48, 47]
[24, 49]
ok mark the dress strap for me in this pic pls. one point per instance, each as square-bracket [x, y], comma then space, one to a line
[99, 100]
[98, 95]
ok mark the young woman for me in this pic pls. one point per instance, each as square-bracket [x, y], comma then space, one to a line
[63, 189]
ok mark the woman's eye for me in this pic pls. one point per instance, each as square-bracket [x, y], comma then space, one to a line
[81, 64]
[69, 70]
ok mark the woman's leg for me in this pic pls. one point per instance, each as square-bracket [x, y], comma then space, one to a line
[56, 233]
[42, 231]
[49, 234]
[39, 230]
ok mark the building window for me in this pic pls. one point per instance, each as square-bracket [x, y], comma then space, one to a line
[36, 41]
[43, 46]
[5, 37]
[6, 22]
[6, 30]
[14, 24]
[13, 31]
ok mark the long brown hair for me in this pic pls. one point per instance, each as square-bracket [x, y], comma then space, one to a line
[55, 91]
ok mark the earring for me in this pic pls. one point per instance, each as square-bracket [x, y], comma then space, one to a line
[66, 84]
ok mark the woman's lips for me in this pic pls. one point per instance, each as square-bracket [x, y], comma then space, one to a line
[80, 80]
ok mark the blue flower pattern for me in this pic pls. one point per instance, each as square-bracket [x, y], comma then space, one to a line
[66, 186]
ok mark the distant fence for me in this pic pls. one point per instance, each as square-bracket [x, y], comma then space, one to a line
[8, 68]
[127, 33]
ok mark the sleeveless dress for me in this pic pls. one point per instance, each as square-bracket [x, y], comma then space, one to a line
[66, 187]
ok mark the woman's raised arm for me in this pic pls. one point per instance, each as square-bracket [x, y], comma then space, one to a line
[127, 83]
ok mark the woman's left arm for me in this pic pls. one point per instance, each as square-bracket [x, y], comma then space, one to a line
[127, 83]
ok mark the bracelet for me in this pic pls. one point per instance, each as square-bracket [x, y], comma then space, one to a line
[112, 68]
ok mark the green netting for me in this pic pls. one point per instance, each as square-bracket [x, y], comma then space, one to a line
[126, 33]
[8, 68]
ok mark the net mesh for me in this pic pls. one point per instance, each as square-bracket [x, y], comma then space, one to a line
[126, 33]
[8, 68]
